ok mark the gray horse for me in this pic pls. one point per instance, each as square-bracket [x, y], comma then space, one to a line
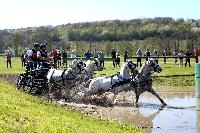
[143, 81]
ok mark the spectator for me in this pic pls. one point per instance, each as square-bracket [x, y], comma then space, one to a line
[139, 55]
[54, 54]
[181, 57]
[117, 60]
[147, 54]
[23, 59]
[59, 58]
[95, 54]
[165, 54]
[101, 55]
[125, 55]
[88, 55]
[8, 57]
[113, 54]
[156, 55]
[64, 57]
[175, 54]
[187, 59]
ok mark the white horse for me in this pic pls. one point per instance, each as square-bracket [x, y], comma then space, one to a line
[143, 81]
[104, 84]
[60, 78]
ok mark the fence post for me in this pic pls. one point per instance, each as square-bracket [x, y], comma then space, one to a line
[197, 79]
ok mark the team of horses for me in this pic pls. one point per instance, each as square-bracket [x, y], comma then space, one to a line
[78, 79]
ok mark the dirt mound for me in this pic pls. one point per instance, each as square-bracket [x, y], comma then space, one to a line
[11, 78]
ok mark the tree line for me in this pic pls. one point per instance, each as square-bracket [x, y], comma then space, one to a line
[153, 33]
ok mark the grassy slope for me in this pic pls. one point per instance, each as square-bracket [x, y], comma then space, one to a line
[20, 112]
[168, 69]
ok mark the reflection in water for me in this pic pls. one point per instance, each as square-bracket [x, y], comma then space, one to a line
[198, 115]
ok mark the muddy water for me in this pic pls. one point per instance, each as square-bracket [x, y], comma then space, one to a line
[181, 115]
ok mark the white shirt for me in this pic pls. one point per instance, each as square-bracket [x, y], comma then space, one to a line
[29, 53]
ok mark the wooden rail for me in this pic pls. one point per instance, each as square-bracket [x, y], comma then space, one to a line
[195, 57]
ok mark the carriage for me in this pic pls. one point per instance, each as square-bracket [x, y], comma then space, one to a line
[33, 81]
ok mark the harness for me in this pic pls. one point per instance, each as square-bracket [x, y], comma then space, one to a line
[124, 81]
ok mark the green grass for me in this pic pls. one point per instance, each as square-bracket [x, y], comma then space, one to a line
[16, 66]
[20, 112]
[168, 69]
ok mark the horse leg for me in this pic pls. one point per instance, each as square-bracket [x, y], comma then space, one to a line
[138, 91]
[114, 97]
[155, 94]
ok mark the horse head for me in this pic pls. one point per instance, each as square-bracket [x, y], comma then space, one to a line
[78, 65]
[154, 66]
[97, 64]
[130, 65]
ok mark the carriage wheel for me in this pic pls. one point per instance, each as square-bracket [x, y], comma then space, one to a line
[28, 84]
[20, 81]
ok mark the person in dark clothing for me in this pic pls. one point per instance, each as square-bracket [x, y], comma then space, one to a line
[125, 55]
[187, 59]
[165, 54]
[147, 54]
[43, 57]
[117, 60]
[23, 59]
[101, 58]
[88, 55]
[113, 54]
[64, 57]
[8, 56]
[139, 55]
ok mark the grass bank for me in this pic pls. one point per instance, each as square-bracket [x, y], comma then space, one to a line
[20, 112]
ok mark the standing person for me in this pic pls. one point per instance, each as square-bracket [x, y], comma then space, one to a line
[8, 57]
[181, 57]
[59, 58]
[64, 57]
[147, 54]
[125, 55]
[117, 60]
[23, 59]
[101, 55]
[156, 55]
[113, 54]
[31, 57]
[88, 55]
[175, 54]
[165, 54]
[139, 55]
[54, 54]
[187, 59]
[95, 54]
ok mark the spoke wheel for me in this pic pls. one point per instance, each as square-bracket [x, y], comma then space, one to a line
[20, 81]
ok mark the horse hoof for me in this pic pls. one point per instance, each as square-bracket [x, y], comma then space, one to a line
[163, 105]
